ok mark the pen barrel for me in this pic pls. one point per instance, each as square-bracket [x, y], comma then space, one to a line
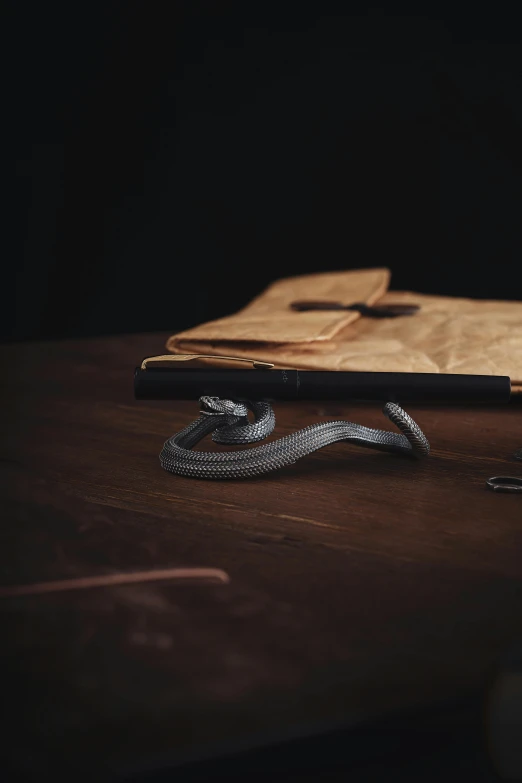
[190, 384]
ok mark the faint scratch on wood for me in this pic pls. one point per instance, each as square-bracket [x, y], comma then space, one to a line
[215, 575]
[101, 500]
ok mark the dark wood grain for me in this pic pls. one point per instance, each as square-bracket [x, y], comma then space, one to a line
[361, 583]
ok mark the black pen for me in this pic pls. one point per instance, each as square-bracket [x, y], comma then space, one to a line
[264, 382]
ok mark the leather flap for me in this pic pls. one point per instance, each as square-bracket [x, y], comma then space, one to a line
[270, 319]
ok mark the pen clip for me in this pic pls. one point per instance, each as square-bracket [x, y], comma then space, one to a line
[188, 357]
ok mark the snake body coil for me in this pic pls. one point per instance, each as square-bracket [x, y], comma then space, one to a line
[229, 423]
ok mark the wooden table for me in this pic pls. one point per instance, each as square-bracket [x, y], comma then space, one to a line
[358, 584]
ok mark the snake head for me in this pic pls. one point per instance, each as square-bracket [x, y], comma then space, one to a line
[215, 406]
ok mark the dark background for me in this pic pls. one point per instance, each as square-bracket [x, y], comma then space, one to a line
[173, 158]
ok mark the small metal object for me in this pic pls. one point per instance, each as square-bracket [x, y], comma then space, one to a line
[371, 311]
[518, 454]
[189, 357]
[505, 484]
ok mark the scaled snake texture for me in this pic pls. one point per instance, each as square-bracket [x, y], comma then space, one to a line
[228, 422]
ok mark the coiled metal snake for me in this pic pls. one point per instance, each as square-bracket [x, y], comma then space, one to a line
[229, 423]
